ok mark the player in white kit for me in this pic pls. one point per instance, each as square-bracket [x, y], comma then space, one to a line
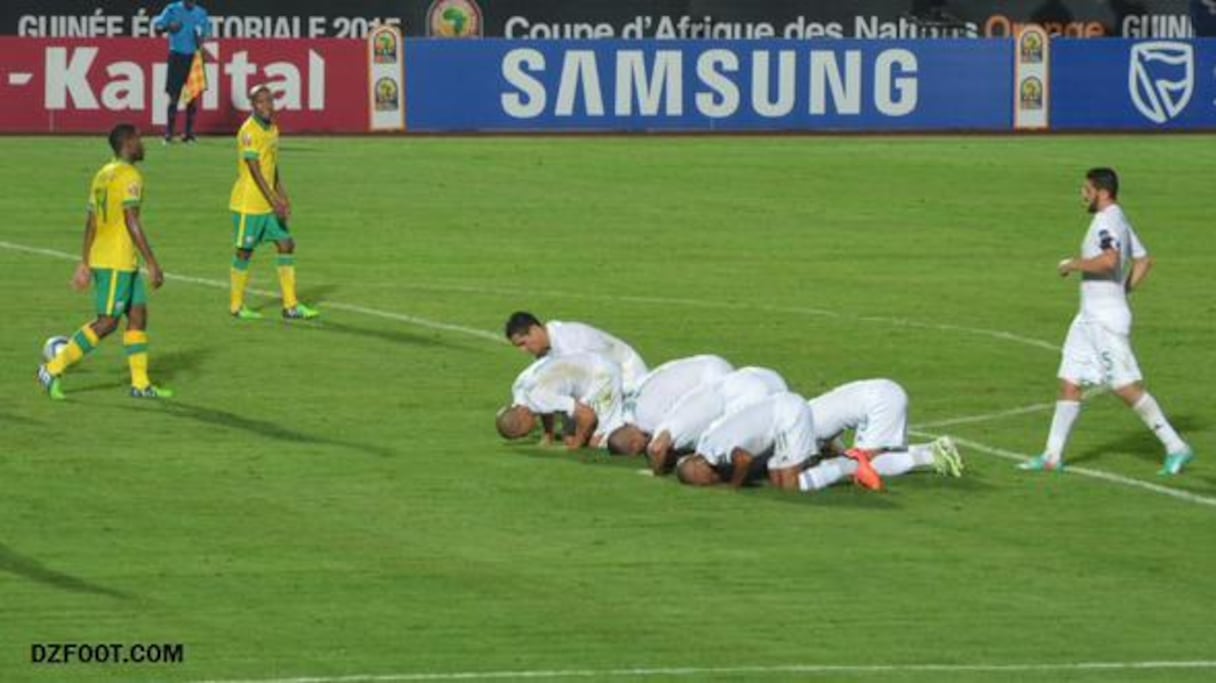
[558, 338]
[876, 410]
[585, 387]
[779, 426]
[657, 393]
[1098, 351]
[682, 427]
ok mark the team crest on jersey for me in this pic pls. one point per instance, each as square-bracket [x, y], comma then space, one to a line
[247, 139]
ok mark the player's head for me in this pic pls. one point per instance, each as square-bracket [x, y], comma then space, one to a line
[627, 440]
[262, 101]
[1101, 189]
[527, 333]
[515, 422]
[695, 470]
[124, 140]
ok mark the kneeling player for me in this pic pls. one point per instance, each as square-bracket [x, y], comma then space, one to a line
[876, 410]
[557, 338]
[658, 393]
[111, 237]
[584, 387]
[779, 428]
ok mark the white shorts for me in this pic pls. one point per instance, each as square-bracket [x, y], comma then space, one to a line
[886, 423]
[1096, 356]
[780, 425]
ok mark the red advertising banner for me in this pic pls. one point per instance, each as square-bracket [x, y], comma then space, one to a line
[64, 85]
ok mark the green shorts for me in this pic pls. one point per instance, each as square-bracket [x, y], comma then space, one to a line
[116, 292]
[251, 229]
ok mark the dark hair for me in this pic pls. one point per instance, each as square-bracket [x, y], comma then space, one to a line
[1104, 179]
[619, 440]
[520, 322]
[119, 135]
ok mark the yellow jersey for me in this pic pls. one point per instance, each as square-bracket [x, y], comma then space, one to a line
[260, 141]
[116, 187]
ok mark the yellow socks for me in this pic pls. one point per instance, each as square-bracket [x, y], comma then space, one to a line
[81, 343]
[287, 280]
[136, 344]
[240, 280]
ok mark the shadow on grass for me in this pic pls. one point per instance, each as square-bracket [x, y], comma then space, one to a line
[1139, 441]
[392, 336]
[271, 306]
[13, 418]
[262, 428]
[19, 565]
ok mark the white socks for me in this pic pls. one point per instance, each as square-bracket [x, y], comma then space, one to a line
[1061, 427]
[889, 464]
[1150, 412]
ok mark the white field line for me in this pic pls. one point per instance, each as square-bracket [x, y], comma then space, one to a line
[729, 305]
[987, 417]
[1083, 471]
[687, 672]
[432, 324]
[335, 305]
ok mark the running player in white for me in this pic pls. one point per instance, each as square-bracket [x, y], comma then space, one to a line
[657, 394]
[562, 339]
[585, 387]
[1098, 348]
[876, 410]
[682, 427]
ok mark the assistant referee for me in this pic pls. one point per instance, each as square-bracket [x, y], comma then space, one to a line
[187, 25]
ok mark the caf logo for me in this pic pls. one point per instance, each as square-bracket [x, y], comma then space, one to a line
[384, 48]
[1031, 94]
[454, 19]
[1031, 48]
[386, 94]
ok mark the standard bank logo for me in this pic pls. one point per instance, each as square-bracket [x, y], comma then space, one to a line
[1161, 78]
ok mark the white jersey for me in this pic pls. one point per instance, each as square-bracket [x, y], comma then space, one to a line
[665, 385]
[570, 338]
[696, 410]
[556, 384]
[875, 409]
[780, 426]
[1104, 297]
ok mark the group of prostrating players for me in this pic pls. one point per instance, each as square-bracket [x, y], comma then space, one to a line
[114, 239]
[707, 421]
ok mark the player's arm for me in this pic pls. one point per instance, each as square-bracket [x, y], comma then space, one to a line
[1102, 264]
[80, 280]
[584, 426]
[255, 172]
[1140, 268]
[281, 191]
[548, 425]
[136, 231]
[741, 465]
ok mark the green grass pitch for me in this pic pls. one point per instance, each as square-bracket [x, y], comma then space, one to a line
[330, 499]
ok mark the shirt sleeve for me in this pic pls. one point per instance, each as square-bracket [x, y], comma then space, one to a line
[1104, 236]
[132, 190]
[1138, 248]
[249, 145]
[162, 21]
[204, 23]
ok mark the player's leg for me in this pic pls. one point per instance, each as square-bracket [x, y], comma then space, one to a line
[246, 235]
[135, 343]
[1080, 364]
[292, 308]
[1178, 453]
[175, 78]
[191, 112]
[84, 340]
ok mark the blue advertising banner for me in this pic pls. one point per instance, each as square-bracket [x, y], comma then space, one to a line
[706, 85]
[1133, 85]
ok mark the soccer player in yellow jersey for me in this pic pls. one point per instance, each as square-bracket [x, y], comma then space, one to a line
[261, 208]
[112, 234]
